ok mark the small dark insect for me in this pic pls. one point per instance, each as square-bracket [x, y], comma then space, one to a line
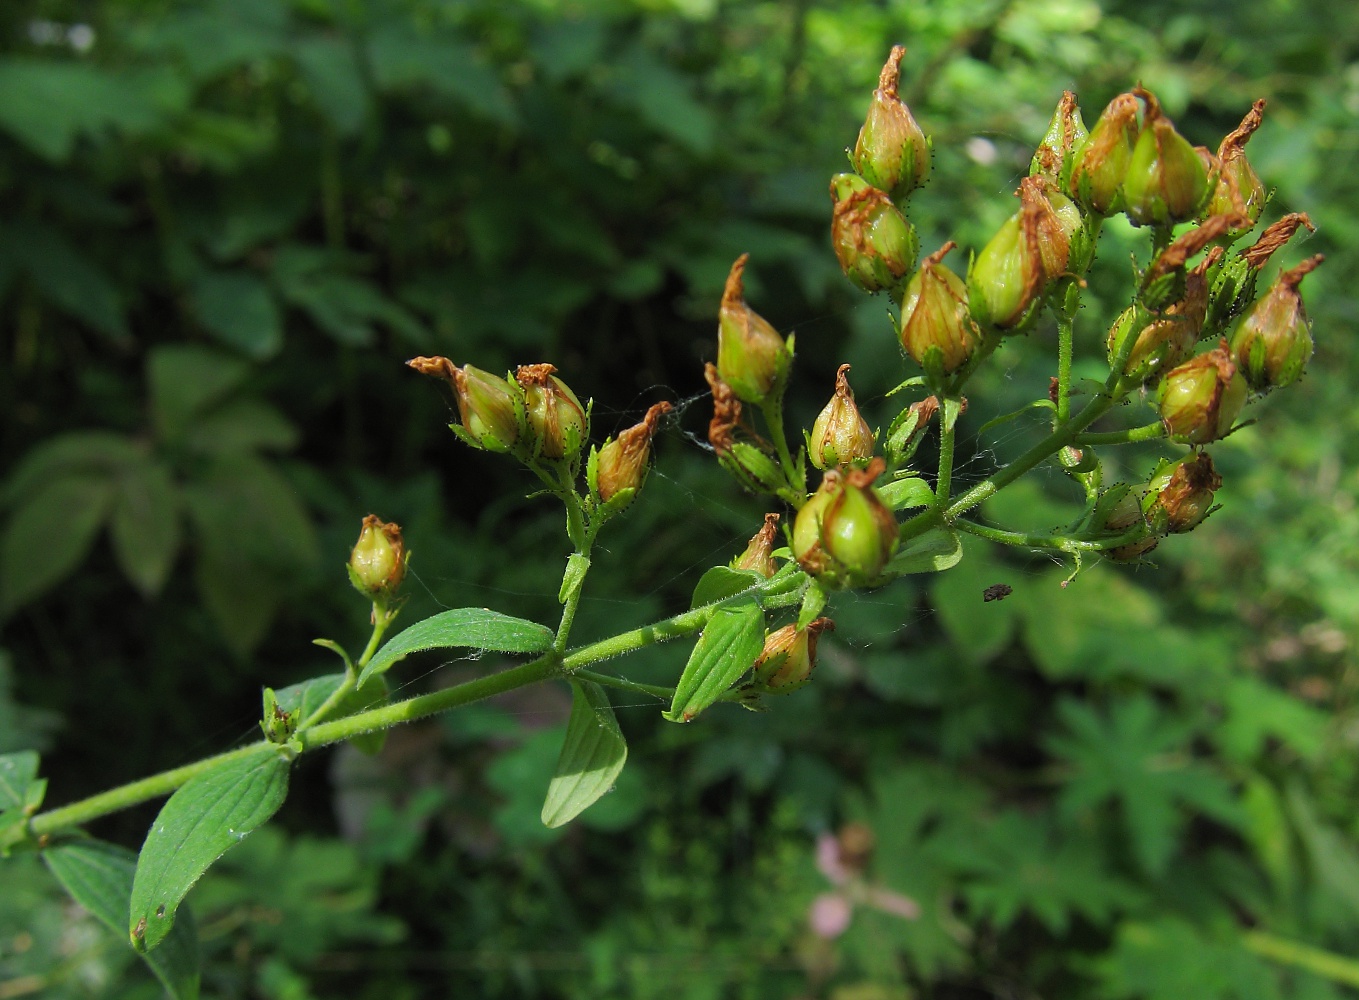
[997, 592]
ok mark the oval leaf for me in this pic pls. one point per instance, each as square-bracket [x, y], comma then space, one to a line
[935, 550]
[470, 628]
[726, 649]
[99, 877]
[722, 582]
[903, 494]
[201, 822]
[592, 756]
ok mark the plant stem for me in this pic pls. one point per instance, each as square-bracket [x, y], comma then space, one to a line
[1147, 432]
[572, 586]
[1061, 543]
[609, 680]
[782, 591]
[772, 408]
[998, 480]
[134, 793]
[948, 429]
[1065, 330]
[1329, 965]
[382, 619]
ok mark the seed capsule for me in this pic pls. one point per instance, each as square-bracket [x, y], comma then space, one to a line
[489, 406]
[622, 462]
[1274, 339]
[1100, 165]
[1056, 154]
[751, 356]
[845, 535]
[555, 415]
[758, 555]
[892, 153]
[1167, 179]
[1199, 401]
[789, 655]
[874, 243]
[377, 564]
[839, 435]
[935, 317]
[1181, 494]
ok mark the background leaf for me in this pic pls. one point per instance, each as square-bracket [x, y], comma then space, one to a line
[48, 536]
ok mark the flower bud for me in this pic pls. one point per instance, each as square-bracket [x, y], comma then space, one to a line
[1055, 156]
[908, 430]
[1274, 339]
[622, 463]
[759, 553]
[874, 243]
[1181, 495]
[1167, 179]
[1101, 163]
[789, 656]
[935, 318]
[1008, 274]
[845, 535]
[555, 415]
[751, 356]
[892, 153]
[1238, 186]
[839, 435]
[1199, 400]
[489, 406]
[377, 565]
[753, 468]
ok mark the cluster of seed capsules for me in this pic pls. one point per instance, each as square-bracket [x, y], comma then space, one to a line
[1196, 290]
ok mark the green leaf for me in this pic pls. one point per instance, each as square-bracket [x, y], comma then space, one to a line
[69, 280]
[813, 603]
[903, 494]
[241, 425]
[1137, 755]
[402, 56]
[732, 640]
[187, 380]
[238, 309]
[1172, 959]
[577, 565]
[1257, 711]
[145, 524]
[471, 628]
[99, 877]
[202, 821]
[18, 772]
[47, 104]
[331, 70]
[49, 536]
[592, 756]
[721, 582]
[936, 550]
[94, 452]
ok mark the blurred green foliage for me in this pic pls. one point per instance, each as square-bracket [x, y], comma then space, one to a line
[227, 223]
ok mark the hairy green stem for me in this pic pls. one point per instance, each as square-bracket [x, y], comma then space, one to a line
[948, 432]
[382, 620]
[772, 408]
[1004, 476]
[134, 793]
[609, 680]
[779, 591]
[1147, 432]
[1065, 334]
[1061, 543]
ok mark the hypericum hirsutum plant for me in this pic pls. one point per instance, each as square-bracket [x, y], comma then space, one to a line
[1198, 341]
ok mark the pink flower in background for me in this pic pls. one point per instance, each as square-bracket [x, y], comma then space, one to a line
[843, 859]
